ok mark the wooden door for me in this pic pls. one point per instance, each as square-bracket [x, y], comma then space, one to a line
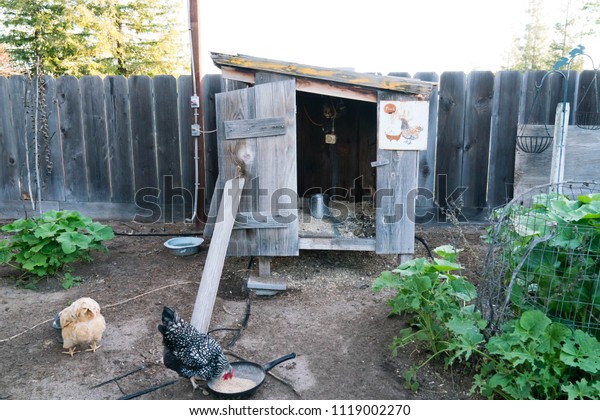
[397, 175]
[256, 136]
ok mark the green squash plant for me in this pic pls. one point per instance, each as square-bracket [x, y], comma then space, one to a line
[561, 274]
[43, 246]
[532, 358]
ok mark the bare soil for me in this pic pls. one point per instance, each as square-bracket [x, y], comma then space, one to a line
[329, 316]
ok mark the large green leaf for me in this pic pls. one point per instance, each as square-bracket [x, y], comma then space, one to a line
[582, 351]
[387, 279]
[100, 232]
[73, 241]
[533, 322]
[447, 252]
[463, 290]
[37, 260]
[47, 230]
[582, 390]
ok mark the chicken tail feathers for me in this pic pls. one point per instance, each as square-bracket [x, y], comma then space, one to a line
[169, 315]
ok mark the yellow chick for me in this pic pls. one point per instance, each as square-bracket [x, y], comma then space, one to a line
[82, 324]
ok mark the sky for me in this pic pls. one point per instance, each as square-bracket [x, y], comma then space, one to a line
[369, 36]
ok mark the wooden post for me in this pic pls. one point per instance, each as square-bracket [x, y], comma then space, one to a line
[215, 259]
[561, 126]
[197, 75]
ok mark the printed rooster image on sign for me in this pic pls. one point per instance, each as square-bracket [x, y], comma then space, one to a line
[403, 125]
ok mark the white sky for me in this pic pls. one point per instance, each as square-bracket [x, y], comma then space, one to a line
[371, 36]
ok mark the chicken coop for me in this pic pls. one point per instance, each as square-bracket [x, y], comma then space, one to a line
[329, 157]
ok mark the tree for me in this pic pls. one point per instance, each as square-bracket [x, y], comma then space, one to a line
[542, 45]
[48, 30]
[81, 37]
[7, 67]
[531, 50]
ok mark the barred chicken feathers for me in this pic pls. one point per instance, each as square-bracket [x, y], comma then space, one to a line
[190, 353]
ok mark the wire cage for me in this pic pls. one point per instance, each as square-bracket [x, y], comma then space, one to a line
[544, 253]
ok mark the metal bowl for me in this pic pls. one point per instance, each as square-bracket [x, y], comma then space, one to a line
[183, 246]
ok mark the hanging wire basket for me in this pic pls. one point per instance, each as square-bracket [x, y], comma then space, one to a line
[588, 120]
[533, 144]
[587, 114]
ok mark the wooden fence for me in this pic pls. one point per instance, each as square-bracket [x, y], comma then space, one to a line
[117, 148]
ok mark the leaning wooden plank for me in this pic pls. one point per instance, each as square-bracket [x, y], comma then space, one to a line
[215, 259]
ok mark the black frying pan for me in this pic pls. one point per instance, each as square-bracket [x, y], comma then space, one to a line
[249, 370]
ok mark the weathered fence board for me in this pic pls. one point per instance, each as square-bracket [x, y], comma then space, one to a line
[167, 138]
[211, 84]
[22, 134]
[94, 133]
[450, 140]
[478, 111]
[142, 135]
[106, 139]
[118, 123]
[427, 157]
[503, 133]
[9, 168]
[52, 168]
[587, 108]
[71, 127]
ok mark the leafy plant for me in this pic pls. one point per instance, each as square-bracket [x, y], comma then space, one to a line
[532, 358]
[441, 304]
[560, 274]
[535, 358]
[44, 245]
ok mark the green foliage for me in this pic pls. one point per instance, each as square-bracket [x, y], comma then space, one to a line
[96, 37]
[45, 245]
[535, 358]
[440, 302]
[561, 274]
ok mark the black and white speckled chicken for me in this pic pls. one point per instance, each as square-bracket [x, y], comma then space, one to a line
[190, 353]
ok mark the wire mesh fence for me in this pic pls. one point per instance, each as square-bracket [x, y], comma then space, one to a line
[544, 253]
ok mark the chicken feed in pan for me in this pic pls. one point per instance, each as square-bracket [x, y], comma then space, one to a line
[234, 385]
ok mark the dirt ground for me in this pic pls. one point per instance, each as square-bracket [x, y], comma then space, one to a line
[329, 316]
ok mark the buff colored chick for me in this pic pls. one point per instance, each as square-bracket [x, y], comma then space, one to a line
[81, 324]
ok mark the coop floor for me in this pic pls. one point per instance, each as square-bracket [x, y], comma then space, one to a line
[345, 226]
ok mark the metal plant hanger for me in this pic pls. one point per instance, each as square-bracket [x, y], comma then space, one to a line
[535, 143]
[588, 119]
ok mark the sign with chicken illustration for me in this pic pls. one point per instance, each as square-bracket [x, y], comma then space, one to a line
[403, 125]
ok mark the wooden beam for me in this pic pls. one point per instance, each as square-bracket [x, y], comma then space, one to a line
[199, 140]
[340, 91]
[337, 244]
[215, 259]
[259, 127]
[398, 84]
[310, 86]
